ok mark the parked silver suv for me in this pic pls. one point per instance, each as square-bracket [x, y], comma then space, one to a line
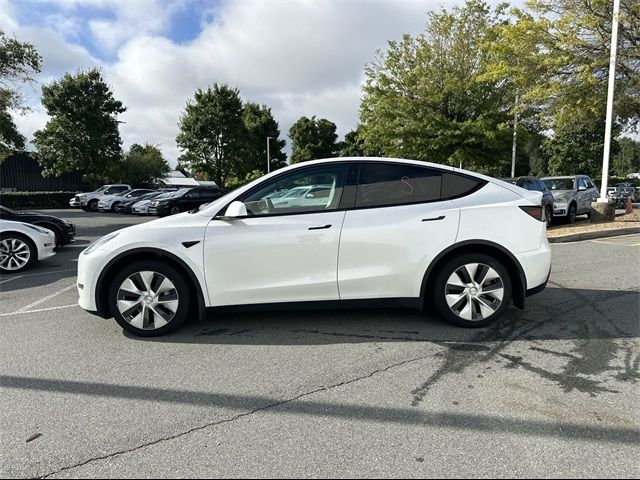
[572, 195]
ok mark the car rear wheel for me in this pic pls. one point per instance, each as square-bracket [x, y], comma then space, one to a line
[149, 298]
[472, 290]
[17, 253]
[175, 210]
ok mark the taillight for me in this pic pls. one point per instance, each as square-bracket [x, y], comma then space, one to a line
[535, 212]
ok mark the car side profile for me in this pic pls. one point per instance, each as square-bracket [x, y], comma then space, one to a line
[183, 200]
[64, 230]
[110, 202]
[89, 201]
[389, 232]
[572, 195]
[23, 244]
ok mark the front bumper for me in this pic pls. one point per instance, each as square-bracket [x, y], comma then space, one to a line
[88, 268]
[74, 202]
[68, 235]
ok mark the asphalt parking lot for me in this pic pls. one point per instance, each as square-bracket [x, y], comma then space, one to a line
[549, 391]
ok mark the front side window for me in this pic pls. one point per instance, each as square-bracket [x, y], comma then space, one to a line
[306, 191]
[192, 194]
[555, 184]
[383, 184]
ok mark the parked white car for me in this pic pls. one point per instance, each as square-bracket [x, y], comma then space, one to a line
[110, 202]
[390, 231]
[22, 244]
[142, 207]
[89, 201]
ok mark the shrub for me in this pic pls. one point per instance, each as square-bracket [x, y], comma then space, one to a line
[22, 200]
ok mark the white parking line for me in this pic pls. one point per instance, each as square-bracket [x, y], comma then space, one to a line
[45, 299]
[40, 273]
[21, 312]
[11, 279]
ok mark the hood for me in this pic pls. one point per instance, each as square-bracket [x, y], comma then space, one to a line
[561, 193]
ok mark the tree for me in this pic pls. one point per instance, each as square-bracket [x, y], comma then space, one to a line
[426, 98]
[556, 53]
[260, 124]
[576, 146]
[212, 133]
[82, 133]
[143, 165]
[352, 145]
[628, 158]
[312, 139]
[18, 63]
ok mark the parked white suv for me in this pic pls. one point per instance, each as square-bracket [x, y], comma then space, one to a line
[572, 195]
[89, 201]
[110, 202]
[390, 231]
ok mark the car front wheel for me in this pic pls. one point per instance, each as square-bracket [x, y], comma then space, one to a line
[149, 298]
[571, 216]
[472, 290]
[17, 253]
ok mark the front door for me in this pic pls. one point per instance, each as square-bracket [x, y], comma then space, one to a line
[283, 251]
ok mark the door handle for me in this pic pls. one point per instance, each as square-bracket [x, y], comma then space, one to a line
[441, 217]
[320, 228]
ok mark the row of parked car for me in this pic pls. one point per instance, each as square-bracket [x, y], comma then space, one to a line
[143, 201]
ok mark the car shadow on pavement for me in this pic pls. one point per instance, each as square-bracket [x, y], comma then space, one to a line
[555, 314]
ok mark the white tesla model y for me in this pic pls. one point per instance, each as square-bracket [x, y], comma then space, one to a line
[350, 231]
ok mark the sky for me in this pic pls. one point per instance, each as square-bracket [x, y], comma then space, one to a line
[301, 58]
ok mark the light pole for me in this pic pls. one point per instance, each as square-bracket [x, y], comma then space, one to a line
[612, 79]
[268, 155]
[515, 140]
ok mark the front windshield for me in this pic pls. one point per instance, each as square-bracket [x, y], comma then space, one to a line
[559, 183]
[102, 189]
[6, 210]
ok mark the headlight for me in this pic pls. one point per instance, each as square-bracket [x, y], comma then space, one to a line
[37, 229]
[98, 243]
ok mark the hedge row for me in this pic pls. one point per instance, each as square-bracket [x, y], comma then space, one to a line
[22, 200]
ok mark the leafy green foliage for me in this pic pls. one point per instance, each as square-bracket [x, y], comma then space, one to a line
[426, 98]
[249, 177]
[225, 140]
[22, 200]
[557, 53]
[352, 145]
[82, 133]
[18, 62]
[627, 159]
[260, 124]
[313, 139]
[143, 166]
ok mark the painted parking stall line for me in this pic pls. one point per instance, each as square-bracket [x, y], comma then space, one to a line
[48, 309]
[45, 299]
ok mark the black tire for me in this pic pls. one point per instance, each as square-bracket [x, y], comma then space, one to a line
[548, 212]
[33, 251]
[589, 215]
[175, 210]
[572, 213]
[113, 207]
[439, 294]
[176, 277]
[93, 206]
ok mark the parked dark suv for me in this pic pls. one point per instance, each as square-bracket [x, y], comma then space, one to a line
[184, 200]
[536, 185]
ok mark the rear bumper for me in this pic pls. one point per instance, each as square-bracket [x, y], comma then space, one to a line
[537, 267]
[539, 288]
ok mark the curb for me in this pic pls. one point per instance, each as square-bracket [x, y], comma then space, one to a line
[577, 237]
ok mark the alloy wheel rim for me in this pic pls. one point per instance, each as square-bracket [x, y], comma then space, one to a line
[147, 300]
[474, 291]
[14, 254]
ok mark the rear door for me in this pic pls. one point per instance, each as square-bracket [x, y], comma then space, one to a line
[399, 224]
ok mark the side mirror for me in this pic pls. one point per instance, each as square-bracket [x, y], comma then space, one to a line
[310, 195]
[236, 210]
[582, 188]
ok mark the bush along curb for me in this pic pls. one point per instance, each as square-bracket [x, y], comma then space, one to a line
[37, 200]
[576, 237]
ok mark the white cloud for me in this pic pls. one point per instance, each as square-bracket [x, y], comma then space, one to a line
[300, 58]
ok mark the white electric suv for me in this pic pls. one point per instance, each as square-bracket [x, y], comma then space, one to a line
[389, 232]
[23, 244]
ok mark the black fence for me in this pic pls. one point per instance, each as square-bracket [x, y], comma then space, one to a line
[22, 173]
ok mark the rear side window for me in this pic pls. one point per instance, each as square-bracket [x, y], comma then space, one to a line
[394, 184]
[455, 185]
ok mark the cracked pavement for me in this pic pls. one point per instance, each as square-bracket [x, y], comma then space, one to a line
[549, 391]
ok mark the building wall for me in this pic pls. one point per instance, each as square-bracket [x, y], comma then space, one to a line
[22, 173]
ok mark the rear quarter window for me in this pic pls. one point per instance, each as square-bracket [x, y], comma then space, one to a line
[455, 185]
